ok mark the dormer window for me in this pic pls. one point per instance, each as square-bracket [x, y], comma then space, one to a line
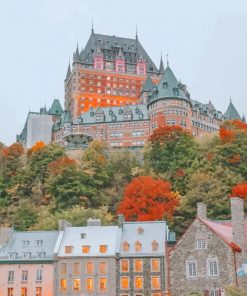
[175, 91]
[26, 255]
[155, 245]
[126, 246]
[85, 249]
[114, 118]
[138, 246]
[165, 85]
[140, 230]
[120, 111]
[68, 249]
[91, 113]
[83, 235]
[12, 255]
[40, 255]
[25, 243]
[39, 243]
[103, 248]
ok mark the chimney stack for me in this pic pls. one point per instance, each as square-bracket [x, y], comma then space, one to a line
[201, 210]
[238, 224]
[62, 224]
[121, 220]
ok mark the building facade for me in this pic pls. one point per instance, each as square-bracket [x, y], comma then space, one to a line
[209, 254]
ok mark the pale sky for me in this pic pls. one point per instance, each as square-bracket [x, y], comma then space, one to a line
[206, 41]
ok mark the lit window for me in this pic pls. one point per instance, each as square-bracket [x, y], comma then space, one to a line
[102, 267]
[24, 275]
[138, 265]
[10, 291]
[155, 282]
[89, 267]
[63, 284]
[155, 265]
[63, 268]
[124, 282]
[85, 249]
[23, 291]
[155, 294]
[102, 284]
[138, 246]
[38, 275]
[155, 245]
[76, 268]
[124, 265]
[89, 284]
[201, 244]
[38, 291]
[138, 282]
[213, 267]
[126, 246]
[191, 269]
[11, 276]
[76, 284]
[68, 249]
[103, 248]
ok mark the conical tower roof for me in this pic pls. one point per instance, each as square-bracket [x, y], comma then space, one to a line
[76, 56]
[231, 112]
[161, 68]
[148, 85]
[56, 108]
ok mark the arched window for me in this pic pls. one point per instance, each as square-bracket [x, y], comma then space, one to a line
[155, 245]
[126, 246]
[138, 246]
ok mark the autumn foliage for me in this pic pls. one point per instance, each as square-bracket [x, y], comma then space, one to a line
[61, 164]
[37, 146]
[13, 151]
[146, 199]
[240, 190]
[230, 129]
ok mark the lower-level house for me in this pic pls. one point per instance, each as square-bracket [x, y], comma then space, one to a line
[209, 254]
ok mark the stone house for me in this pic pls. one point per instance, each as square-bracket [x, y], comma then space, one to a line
[209, 254]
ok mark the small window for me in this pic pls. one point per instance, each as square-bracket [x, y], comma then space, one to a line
[38, 291]
[155, 245]
[200, 244]
[213, 267]
[10, 291]
[124, 282]
[68, 249]
[63, 268]
[89, 284]
[39, 243]
[76, 284]
[39, 274]
[102, 267]
[25, 243]
[23, 291]
[102, 283]
[138, 246]
[138, 265]
[103, 248]
[77, 268]
[124, 265]
[63, 284]
[155, 267]
[83, 235]
[89, 267]
[11, 274]
[138, 282]
[85, 249]
[155, 282]
[191, 269]
[126, 246]
[140, 229]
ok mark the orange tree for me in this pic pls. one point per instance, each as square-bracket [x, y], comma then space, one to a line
[146, 199]
[172, 151]
[240, 190]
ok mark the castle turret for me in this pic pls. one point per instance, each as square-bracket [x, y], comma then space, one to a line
[231, 112]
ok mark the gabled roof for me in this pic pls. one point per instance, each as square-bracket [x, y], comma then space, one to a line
[231, 112]
[148, 85]
[56, 108]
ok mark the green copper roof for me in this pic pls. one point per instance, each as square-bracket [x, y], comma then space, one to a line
[244, 119]
[231, 112]
[148, 85]
[56, 108]
[66, 117]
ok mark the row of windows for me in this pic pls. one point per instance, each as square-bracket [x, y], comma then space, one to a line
[27, 255]
[138, 265]
[139, 283]
[138, 246]
[89, 284]
[212, 268]
[177, 112]
[38, 291]
[204, 126]
[85, 249]
[89, 268]
[24, 275]
[26, 243]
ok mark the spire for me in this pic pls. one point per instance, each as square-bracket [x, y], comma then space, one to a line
[136, 33]
[92, 30]
[68, 72]
[148, 84]
[231, 112]
[167, 60]
[76, 55]
[161, 69]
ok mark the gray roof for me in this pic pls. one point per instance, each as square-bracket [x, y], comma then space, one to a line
[231, 112]
[207, 109]
[152, 231]
[110, 46]
[115, 114]
[94, 237]
[148, 85]
[16, 245]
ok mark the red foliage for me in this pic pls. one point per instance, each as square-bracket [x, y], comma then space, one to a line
[210, 156]
[240, 190]
[235, 159]
[239, 124]
[226, 135]
[59, 165]
[38, 145]
[179, 173]
[146, 199]
[230, 129]
[13, 151]
[167, 132]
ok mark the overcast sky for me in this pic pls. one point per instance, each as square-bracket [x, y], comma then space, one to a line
[206, 41]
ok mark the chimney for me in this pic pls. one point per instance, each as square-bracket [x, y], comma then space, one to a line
[120, 219]
[5, 235]
[201, 210]
[93, 222]
[238, 227]
[62, 224]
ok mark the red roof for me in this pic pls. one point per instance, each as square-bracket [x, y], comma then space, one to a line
[223, 229]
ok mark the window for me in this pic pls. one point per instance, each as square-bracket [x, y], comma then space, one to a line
[39, 275]
[138, 282]
[40, 254]
[26, 255]
[138, 246]
[138, 265]
[155, 245]
[85, 249]
[76, 284]
[126, 246]
[25, 243]
[89, 267]
[12, 255]
[76, 268]
[83, 235]
[200, 244]
[124, 265]
[156, 294]
[24, 275]
[102, 284]
[103, 248]
[102, 267]
[63, 284]
[155, 267]
[23, 291]
[11, 276]
[63, 268]
[38, 291]
[191, 269]
[10, 291]
[89, 284]
[39, 243]
[124, 282]
[213, 267]
[155, 282]
[68, 249]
